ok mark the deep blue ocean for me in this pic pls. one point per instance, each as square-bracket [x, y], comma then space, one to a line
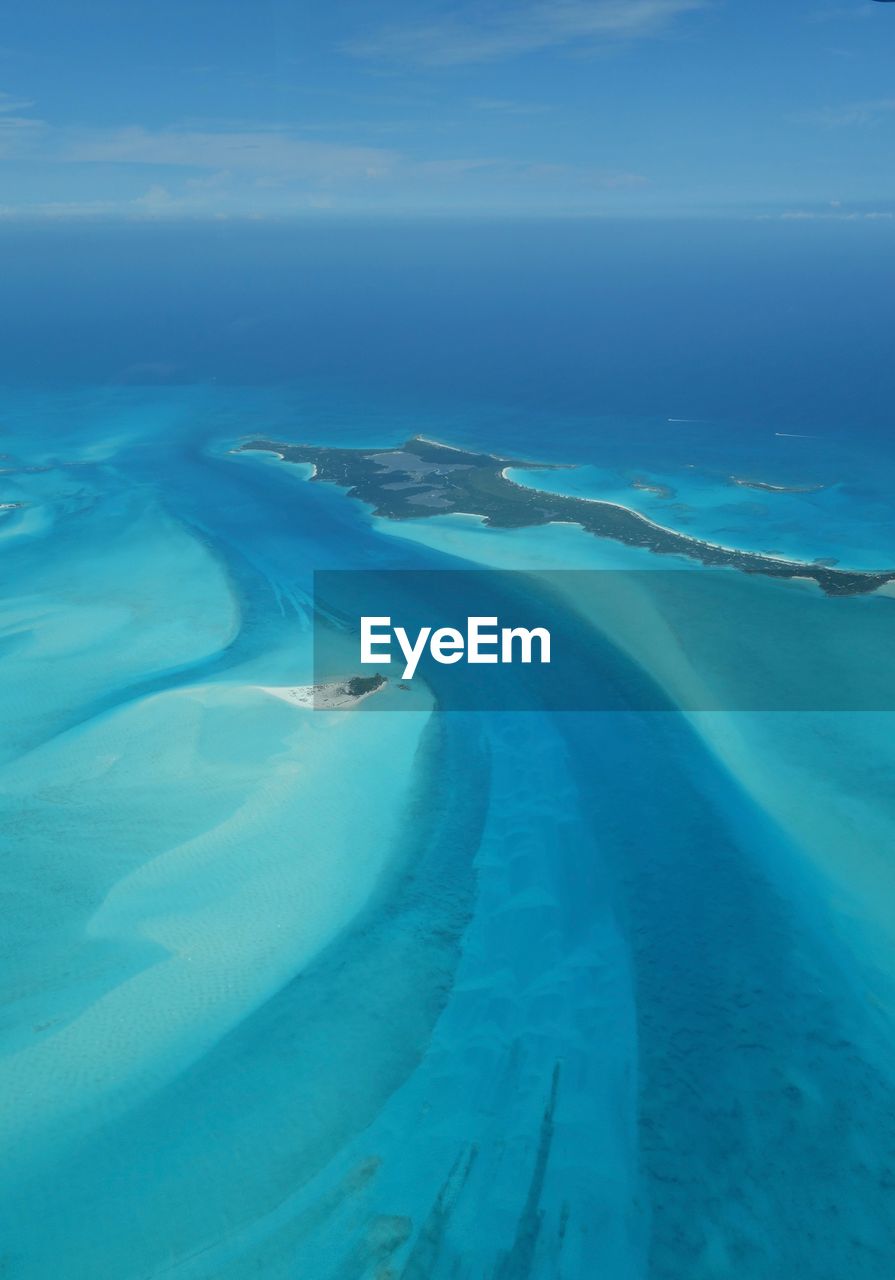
[438, 995]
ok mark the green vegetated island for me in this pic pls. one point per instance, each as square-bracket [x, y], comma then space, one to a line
[423, 478]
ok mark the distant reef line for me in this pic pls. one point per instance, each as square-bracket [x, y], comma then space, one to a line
[424, 477]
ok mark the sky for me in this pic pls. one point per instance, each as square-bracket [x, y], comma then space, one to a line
[282, 108]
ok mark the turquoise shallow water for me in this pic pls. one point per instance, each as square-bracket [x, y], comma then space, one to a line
[528, 995]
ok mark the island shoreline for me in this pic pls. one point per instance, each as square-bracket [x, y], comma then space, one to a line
[425, 477]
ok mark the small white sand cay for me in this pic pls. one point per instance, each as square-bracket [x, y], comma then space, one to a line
[319, 697]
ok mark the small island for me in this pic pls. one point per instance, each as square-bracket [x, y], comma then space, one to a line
[649, 486]
[767, 487]
[423, 478]
[358, 686]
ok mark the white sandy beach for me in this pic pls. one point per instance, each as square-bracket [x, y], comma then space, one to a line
[329, 696]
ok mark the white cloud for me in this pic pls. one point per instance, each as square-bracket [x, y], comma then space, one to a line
[838, 13]
[159, 203]
[274, 171]
[475, 34]
[9, 104]
[834, 214]
[259, 151]
[156, 198]
[574, 177]
[851, 113]
[508, 106]
[17, 133]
